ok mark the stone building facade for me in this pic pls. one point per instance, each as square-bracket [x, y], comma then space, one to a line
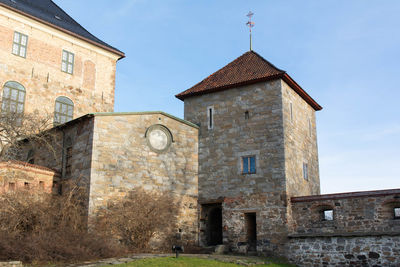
[266, 122]
[115, 153]
[242, 167]
[51, 64]
[259, 183]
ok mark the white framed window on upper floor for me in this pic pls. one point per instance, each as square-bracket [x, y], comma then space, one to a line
[20, 44]
[210, 117]
[67, 64]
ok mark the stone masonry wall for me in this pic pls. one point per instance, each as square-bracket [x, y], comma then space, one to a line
[236, 134]
[300, 144]
[122, 161]
[371, 251]
[90, 87]
[364, 230]
[361, 212]
[80, 134]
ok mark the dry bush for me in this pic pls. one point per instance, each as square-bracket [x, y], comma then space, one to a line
[142, 221]
[42, 227]
[15, 127]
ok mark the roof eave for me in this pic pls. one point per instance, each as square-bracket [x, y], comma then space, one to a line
[284, 76]
[300, 91]
[119, 53]
[184, 95]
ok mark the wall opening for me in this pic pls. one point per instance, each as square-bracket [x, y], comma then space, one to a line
[214, 225]
[251, 230]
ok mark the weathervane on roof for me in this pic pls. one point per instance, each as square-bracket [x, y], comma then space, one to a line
[250, 24]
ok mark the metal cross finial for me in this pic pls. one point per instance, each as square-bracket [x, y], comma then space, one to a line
[250, 24]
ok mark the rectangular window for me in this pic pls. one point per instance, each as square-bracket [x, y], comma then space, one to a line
[67, 64]
[328, 215]
[20, 44]
[305, 171]
[309, 127]
[26, 185]
[397, 213]
[210, 117]
[248, 164]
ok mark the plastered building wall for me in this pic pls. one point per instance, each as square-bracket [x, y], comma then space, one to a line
[90, 87]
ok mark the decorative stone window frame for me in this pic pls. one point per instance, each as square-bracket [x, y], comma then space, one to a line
[210, 117]
[20, 44]
[165, 130]
[67, 62]
[252, 153]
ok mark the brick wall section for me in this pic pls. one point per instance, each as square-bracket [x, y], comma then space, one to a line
[91, 87]
[122, 161]
[364, 231]
[18, 173]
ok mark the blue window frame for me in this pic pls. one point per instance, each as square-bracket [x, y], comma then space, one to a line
[248, 164]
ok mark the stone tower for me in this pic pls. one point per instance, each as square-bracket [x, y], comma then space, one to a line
[257, 148]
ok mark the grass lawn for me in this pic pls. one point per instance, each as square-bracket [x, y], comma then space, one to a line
[189, 262]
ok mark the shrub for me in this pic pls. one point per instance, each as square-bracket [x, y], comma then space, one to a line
[39, 227]
[140, 221]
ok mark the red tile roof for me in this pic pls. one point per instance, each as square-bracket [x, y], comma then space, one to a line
[247, 69]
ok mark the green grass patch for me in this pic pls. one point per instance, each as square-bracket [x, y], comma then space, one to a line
[191, 262]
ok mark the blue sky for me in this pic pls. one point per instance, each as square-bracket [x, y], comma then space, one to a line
[345, 54]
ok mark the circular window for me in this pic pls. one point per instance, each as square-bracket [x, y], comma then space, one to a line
[158, 138]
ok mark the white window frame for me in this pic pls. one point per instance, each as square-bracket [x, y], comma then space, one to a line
[19, 48]
[67, 62]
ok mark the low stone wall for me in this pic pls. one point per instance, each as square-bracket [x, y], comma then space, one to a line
[345, 251]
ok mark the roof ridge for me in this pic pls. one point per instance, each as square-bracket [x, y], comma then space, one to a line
[268, 62]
